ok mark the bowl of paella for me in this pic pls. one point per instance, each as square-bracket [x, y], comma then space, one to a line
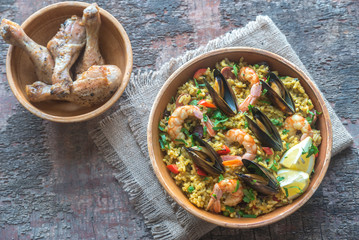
[239, 137]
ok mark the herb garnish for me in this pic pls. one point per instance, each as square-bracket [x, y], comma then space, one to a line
[312, 150]
[279, 178]
[237, 186]
[220, 178]
[190, 189]
[235, 70]
[194, 102]
[264, 91]
[285, 131]
[276, 122]
[161, 128]
[163, 142]
[230, 209]
[248, 195]
[182, 141]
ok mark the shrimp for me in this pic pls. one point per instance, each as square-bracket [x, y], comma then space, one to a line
[249, 75]
[180, 114]
[298, 123]
[234, 194]
[237, 135]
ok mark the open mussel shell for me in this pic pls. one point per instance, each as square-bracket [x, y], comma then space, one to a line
[278, 94]
[224, 97]
[264, 130]
[205, 157]
[259, 178]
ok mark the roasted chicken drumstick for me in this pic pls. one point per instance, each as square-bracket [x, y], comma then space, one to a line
[13, 34]
[91, 56]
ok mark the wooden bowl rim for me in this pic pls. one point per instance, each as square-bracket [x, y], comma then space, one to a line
[98, 111]
[212, 217]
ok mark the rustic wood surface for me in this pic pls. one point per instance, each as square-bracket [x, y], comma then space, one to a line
[55, 185]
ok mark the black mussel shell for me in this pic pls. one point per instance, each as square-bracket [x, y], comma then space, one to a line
[205, 157]
[259, 178]
[278, 94]
[224, 99]
[264, 130]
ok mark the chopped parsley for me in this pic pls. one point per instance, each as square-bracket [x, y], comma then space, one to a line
[245, 124]
[235, 70]
[276, 122]
[194, 102]
[214, 195]
[205, 118]
[312, 150]
[242, 214]
[264, 91]
[237, 186]
[182, 141]
[219, 117]
[173, 99]
[256, 65]
[248, 195]
[190, 189]
[250, 106]
[274, 166]
[287, 145]
[263, 101]
[161, 128]
[225, 213]
[254, 181]
[205, 179]
[204, 130]
[230, 209]
[185, 131]
[220, 178]
[259, 159]
[279, 178]
[218, 128]
[163, 142]
[285, 131]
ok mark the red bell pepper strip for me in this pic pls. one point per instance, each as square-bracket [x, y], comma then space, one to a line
[200, 171]
[206, 104]
[225, 150]
[268, 150]
[316, 155]
[173, 168]
[199, 73]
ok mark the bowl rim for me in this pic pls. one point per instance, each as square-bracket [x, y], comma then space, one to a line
[89, 115]
[252, 224]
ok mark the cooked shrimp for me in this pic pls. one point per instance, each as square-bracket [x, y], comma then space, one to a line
[237, 135]
[234, 194]
[180, 114]
[249, 75]
[298, 123]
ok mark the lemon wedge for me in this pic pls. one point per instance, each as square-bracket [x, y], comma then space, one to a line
[293, 182]
[296, 157]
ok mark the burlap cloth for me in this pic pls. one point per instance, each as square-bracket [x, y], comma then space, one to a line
[121, 137]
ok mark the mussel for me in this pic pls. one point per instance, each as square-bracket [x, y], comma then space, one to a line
[264, 130]
[205, 157]
[223, 97]
[259, 178]
[278, 94]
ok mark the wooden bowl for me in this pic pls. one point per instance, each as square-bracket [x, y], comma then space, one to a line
[251, 56]
[41, 26]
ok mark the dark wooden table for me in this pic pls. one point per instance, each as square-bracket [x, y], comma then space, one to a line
[55, 185]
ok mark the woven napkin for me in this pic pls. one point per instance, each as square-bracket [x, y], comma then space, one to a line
[122, 138]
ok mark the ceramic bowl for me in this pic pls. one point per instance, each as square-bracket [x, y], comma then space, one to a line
[41, 26]
[251, 56]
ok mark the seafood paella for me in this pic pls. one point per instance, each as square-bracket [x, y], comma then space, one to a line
[239, 139]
